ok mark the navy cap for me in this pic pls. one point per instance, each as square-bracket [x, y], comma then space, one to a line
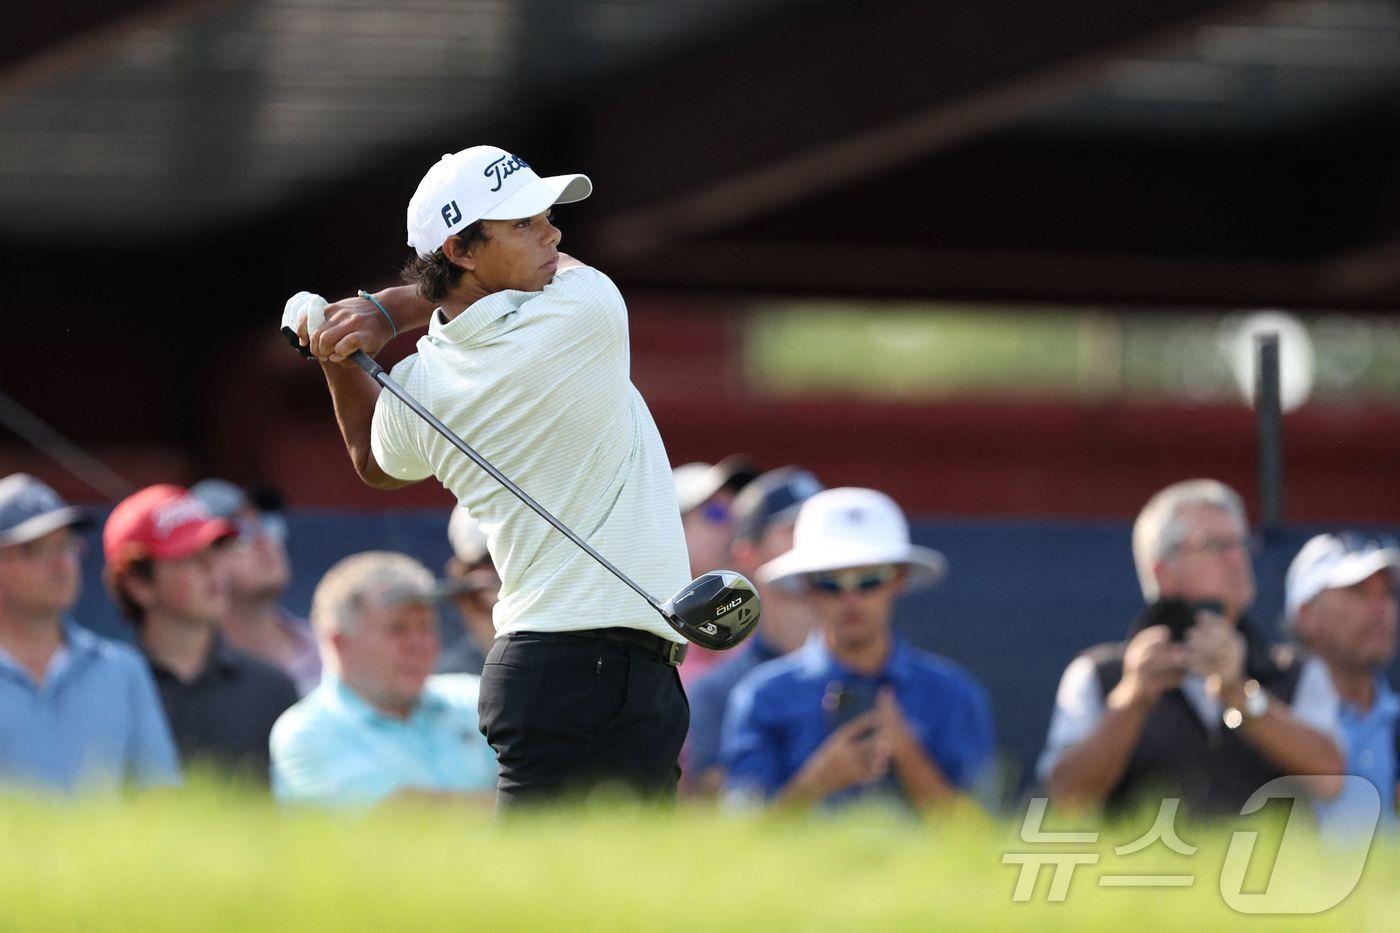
[29, 509]
[774, 497]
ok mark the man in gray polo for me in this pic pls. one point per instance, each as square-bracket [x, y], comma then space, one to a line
[77, 712]
[526, 356]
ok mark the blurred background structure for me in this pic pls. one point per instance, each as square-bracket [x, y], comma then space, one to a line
[993, 258]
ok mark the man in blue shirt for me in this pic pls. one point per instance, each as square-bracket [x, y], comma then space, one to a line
[763, 514]
[77, 712]
[379, 726]
[856, 712]
[1341, 601]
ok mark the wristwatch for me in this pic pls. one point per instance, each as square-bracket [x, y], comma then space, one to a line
[1256, 704]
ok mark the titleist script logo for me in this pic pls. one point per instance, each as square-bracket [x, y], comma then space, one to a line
[503, 168]
[176, 513]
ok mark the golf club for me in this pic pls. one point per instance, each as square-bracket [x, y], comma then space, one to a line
[716, 610]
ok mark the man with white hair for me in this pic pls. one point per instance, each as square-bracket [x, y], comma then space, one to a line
[857, 712]
[1195, 704]
[1341, 604]
[378, 726]
[472, 586]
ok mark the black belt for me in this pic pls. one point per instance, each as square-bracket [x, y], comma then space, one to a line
[669, 652]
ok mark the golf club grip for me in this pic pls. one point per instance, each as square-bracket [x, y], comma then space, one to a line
[377, 373]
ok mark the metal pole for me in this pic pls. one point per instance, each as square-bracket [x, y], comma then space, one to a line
[1268, 412]
[93, 472]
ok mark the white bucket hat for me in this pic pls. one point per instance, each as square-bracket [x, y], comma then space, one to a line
[482, 183]
[849, 527]
[1329, 562]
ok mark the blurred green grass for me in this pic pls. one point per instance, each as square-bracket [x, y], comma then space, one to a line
[218, 858]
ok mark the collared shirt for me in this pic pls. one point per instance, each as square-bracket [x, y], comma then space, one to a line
[1079, 706]
[94, 724]
[333, 748]
[708, 699]
[538, 383]
[1368, 741]
[224, 715]
[780, 714]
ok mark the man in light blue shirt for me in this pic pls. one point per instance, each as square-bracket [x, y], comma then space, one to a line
[77, 712]
[379, 726]
[1341, 601]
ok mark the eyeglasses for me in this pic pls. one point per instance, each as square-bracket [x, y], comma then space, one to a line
[835, 582]
[1214, 545]
[47, 550]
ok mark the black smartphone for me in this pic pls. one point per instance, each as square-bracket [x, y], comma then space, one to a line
[844, 702]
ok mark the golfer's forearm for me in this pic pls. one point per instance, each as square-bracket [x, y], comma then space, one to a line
[408, 308]
[1090, 768]
[353, 394]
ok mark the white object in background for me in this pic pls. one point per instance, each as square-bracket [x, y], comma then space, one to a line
[1297, 362]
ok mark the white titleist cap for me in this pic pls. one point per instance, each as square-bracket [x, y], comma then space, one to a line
[850, 527]
[482, 183]
[1329, 562]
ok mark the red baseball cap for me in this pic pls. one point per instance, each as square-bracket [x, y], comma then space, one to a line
[164, 522]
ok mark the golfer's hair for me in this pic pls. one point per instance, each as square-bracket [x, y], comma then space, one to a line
[1158, 529]
[435, 276]
[344, 590]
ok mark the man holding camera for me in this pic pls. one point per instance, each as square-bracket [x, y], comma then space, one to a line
[1195, 704]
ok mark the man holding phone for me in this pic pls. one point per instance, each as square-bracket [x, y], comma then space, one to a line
[856, 712]
[1196, 703]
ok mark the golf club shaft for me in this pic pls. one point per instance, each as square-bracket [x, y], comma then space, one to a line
[377, 373]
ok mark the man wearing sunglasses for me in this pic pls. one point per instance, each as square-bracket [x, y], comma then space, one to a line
[1341, 604]
[856, 712]
[259, 573]
[1196, 704]
[77, 712]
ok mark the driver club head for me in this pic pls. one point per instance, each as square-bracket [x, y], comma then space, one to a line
[716, 610]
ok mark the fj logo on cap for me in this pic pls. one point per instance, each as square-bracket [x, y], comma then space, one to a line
[503, 168]
[451, 213]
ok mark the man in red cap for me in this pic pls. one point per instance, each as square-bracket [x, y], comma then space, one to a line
[164, 569]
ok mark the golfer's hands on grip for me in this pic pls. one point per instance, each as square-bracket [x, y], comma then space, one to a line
[351, 324]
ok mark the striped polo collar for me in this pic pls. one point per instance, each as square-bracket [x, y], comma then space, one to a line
[476, 317]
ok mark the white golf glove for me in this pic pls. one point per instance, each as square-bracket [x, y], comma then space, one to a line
[303, 305]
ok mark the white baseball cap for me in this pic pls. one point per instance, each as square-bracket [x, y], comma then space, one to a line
[482, 183]
[697, 482]
[466, 537]
[1329, 562]
[848, 527]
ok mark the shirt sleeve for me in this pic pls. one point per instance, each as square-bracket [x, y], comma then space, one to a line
[967, 755]
[1078, 709]
[1316, 702]
[152, 760]
[393, 440]
[312, 764]
[596, 309]
[748, 751]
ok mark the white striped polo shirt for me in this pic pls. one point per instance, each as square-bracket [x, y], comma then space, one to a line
[539, 384]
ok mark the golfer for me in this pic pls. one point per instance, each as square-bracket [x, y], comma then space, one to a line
[526, 356]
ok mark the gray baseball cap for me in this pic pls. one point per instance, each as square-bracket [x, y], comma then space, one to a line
[29, 509]
[772, 499]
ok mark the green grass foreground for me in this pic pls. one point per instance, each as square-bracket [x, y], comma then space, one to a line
[210, 858]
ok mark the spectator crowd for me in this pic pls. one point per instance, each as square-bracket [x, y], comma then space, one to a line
[375, 696]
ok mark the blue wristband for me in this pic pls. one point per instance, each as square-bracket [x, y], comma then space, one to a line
[382, 310]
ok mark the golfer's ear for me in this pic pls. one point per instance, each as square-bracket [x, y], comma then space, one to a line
[459, 253]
